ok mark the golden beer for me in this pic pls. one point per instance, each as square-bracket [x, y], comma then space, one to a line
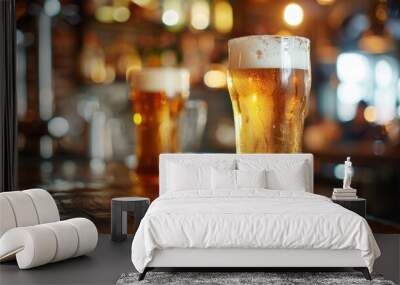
[158, 96]
[269, 83]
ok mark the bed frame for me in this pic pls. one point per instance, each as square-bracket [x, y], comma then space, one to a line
[246, 259]
[249, 259]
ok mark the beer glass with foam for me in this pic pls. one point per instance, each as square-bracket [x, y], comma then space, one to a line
[269, 79]
[158, 96]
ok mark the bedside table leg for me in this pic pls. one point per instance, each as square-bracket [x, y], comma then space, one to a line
[142, 275]
[118, 222]
[364, 271]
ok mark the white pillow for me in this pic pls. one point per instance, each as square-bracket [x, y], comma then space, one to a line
[281, 174]
[223, 179]
[227, 179]
[188, 177]
[293, 180]
[251, 178]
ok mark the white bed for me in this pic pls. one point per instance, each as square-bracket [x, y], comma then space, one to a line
[249, 227]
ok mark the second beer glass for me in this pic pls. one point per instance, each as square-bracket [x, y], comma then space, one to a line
[158, 96]
[269, 81]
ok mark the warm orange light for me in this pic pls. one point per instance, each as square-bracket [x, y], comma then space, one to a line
[223, 16]
[375, 43]
[137, 118]
[370, 114]
[325, 2]
[283, 33]
[98, 72]
[215, 78]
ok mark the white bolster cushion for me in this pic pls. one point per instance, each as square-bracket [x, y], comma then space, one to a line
[23, 208]
[7, 219]
[45, 205]
[87, 235]
[66, 238]
[33, 246]
[40, 244]
[26, 208]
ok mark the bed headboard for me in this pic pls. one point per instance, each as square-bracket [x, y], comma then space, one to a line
[214, 157]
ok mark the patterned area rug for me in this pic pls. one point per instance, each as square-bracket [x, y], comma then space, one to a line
[229, 278]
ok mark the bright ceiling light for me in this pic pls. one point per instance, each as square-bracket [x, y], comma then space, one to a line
[293, 14]
[170, 17]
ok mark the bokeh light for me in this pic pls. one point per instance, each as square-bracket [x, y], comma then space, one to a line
[58, 127]
[370, 114]
[293, 14]
[170, 17]
[352, 67]
[142, 3]
[223, 16]
[200, 15]
[104, 14]
[215, 78]
[52, 7]
[137, 118]
[383, 73]
[350, 93]
[325, 2]
[121, 14]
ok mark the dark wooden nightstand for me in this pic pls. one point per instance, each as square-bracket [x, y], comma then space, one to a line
[120, 207]
[358, 205]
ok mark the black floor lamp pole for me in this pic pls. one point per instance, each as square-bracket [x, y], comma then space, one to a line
[8, 99]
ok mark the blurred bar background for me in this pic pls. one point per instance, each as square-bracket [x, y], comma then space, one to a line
[76, 127]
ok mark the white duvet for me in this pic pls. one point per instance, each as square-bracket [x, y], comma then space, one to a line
[251, 218]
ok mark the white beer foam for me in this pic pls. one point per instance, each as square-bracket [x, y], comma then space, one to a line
[169, 80]
[269, 52]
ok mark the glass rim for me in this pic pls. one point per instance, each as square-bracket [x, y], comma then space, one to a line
[301, 38]
[159, 68]
[180, 71]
